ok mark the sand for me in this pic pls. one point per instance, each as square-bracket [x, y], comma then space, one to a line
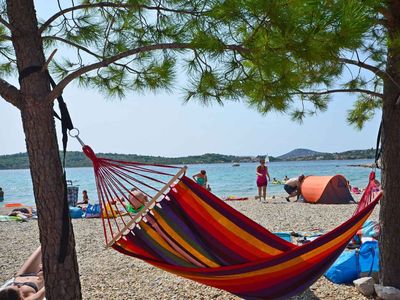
[107, 274]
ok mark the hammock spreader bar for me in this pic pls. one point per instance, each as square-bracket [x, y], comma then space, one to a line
[186, 230]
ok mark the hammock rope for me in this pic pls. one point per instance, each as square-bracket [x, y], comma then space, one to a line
[116, 180]
[186, 230]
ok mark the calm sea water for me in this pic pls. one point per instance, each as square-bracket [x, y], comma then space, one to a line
[225, 180]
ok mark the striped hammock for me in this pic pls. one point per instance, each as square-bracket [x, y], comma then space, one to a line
[186, 230]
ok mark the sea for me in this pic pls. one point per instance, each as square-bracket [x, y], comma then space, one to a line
[225, 179]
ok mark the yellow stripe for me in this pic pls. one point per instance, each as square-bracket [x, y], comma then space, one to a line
[286, 265]
[183, 243]
[235, 230]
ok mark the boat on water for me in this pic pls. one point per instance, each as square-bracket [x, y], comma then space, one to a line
[235, 165]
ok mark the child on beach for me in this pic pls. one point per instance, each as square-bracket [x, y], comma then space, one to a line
[262, 182]
[1, 195]
[137, 198]
[201, 178]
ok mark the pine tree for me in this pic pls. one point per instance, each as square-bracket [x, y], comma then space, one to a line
[287, 56]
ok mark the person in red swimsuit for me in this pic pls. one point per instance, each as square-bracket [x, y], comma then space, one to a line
[262, 182]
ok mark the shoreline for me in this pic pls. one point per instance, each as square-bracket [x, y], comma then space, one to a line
[222, 162]
[107, 274]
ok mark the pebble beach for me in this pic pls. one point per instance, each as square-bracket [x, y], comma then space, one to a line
[107, 274]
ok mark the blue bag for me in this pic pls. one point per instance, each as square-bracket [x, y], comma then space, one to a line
[75, 212]
[351, 263]
[93, 211]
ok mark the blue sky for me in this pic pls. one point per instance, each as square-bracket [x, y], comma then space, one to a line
[160, 124]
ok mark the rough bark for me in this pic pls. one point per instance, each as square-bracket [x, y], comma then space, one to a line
[390, 205]
[61, 279]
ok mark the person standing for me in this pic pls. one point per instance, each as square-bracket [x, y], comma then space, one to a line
[262, 181]
[293, 187]
[201, 178]
[1, 195]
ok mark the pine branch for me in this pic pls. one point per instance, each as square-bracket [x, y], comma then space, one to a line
[363, 65]
[6, 24]
[113, 5]
[10, 93]
[5, 37]
[104, 63]
[71, 44]
[356, 90]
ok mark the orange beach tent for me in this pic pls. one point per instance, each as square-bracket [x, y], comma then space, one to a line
[326, 190]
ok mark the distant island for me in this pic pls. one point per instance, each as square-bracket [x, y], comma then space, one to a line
[78, 159]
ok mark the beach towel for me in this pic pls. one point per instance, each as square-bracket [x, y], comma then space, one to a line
[235, 198]
[93, 211]
[12, 218]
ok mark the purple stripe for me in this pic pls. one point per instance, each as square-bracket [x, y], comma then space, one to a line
[183, 229]
[240, 220]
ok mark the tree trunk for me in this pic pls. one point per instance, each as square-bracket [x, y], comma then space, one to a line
[390, 205]
[61, 279]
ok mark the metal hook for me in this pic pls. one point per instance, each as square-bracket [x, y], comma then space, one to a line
[71, 134]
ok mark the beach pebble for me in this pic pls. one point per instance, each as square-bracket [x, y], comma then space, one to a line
[387, 292]
[365, 285]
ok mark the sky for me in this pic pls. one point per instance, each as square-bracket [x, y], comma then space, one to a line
[161, 125]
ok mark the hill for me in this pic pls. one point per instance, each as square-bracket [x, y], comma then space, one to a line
[300, 153]
[307, 154]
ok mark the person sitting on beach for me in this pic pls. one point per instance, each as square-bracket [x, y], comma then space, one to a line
[28, 283]
[1, 195]
[85, 198]
[137, 198]
[22, 212]
[201, 178]
[293, 187]
[262, 182]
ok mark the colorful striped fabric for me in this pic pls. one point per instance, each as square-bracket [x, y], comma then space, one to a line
[196, 235]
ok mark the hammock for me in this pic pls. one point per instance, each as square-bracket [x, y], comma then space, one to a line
[188, 231]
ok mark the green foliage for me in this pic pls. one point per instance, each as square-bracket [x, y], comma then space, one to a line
[364, 110]
[274, 55]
